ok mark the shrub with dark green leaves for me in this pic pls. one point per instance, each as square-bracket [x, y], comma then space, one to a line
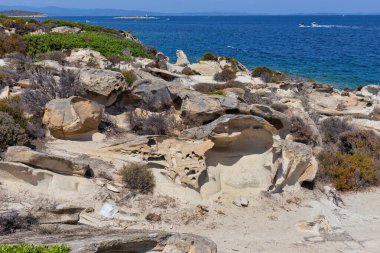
[30, 248]
[209, 57]
[268, 75]
[107, 44]
[138, 178]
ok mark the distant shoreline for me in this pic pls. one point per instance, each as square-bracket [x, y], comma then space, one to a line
[136, 17]
[30, 16]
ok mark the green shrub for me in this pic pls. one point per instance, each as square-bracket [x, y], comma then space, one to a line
[30, 248]
[13, 112]
[189, 72]
[11, 43]
[129, 76]
[138, 178]
[268, 75]
[11, 133]
[209, 57]
[226, 75]
[349, 171]
[107, 44]
[259, 71]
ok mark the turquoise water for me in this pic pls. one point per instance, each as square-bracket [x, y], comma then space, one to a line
[342, 50]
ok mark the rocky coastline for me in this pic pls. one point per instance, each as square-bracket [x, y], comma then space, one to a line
[103, 150]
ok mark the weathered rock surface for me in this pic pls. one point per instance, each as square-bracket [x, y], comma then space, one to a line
[103, 86]
[85, 58]
[40, 160]
[72, 116]
[87, 240]
[206, 68]
[65, 29]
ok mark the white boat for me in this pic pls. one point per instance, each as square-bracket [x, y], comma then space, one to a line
[314, 24]
[302, 25]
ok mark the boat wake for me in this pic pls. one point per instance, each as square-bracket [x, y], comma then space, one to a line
[315, 25]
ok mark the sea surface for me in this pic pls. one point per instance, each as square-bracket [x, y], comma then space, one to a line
[341, 50]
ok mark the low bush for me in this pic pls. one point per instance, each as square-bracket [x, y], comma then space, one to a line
[30, 248]
[58, 56]
[301, 132]
[12, 43]
[13, 111]
[10, 222]
[360, 141]
[226, 75]
[348, 171]
[189, 72]
[332, 127]
[107, 44]
[11, 133]
[209, 57]
[138, 178]
[153, 124]
[45, 87]
[130, 77]
[268, 75]
[22, 25]
[212, 87]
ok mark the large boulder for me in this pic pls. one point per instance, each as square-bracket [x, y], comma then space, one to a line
[84, 57]
[206, 68]
[371, 90]
[199, 108]
[155, 97]
[40, 160]
[103, 86]
[24, 181]
[72, 117]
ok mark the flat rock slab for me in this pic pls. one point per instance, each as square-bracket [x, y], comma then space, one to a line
[83, 239]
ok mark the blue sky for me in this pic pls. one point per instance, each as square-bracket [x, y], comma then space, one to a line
[251, 6]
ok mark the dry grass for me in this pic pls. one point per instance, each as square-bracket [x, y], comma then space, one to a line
[138, 178]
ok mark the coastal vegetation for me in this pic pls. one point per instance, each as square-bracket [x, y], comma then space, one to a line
[30, 248]
[107, 44]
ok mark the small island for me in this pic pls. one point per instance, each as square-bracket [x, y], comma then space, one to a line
[137, 17]
[23, 14]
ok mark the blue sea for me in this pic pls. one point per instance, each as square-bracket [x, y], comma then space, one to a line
[341, 50]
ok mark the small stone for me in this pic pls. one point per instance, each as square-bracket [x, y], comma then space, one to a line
[89, 210]
[112, 188]
[153, 217]
[244, 202]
